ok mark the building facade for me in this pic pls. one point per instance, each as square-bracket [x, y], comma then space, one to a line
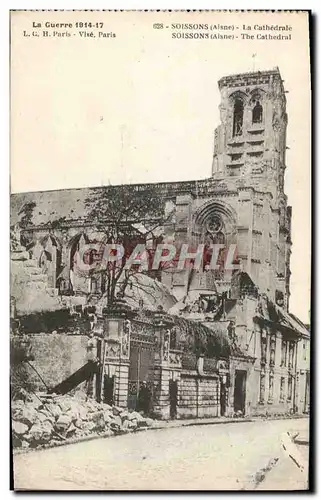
[242, 205]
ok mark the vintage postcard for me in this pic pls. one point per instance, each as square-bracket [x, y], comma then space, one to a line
[160, 250]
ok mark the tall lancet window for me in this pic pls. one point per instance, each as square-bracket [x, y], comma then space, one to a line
[214, 234]
[238, 117]
[257, 113]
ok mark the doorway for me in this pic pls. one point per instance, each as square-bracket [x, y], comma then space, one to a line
[109, 390]
[173, 390]
[240, 391]
[141, 373]
[223, 397]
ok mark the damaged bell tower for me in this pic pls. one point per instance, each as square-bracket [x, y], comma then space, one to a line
[249, 154]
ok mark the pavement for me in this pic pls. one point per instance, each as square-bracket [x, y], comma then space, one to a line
[230, 456]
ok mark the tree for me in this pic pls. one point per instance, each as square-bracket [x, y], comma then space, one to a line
[127, 215]
[26, 214]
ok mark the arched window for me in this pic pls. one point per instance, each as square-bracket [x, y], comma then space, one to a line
[238, 117]
[214, 233]
[257, 113]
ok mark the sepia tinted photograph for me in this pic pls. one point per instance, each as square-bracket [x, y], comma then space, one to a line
[160, 250]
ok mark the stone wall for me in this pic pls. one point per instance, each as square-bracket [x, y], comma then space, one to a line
[275, 383]
[198, 396]
[56, 357]
[275, 402]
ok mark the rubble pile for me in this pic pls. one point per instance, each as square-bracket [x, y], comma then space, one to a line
[46, 420]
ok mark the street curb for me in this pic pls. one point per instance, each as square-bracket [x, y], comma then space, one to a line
[105, 435]
[80, 439]
[168, 424]
[203, 422]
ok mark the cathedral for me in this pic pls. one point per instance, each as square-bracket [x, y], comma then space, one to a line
[255, 356]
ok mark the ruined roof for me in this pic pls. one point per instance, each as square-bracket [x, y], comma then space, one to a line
[193, 336]
[147, 291]
[220, 330]
[200, 339]
[268, 310]
[64, 205]
[69, 205]
[294, 322]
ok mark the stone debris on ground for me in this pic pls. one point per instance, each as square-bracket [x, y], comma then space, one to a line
[45, 420]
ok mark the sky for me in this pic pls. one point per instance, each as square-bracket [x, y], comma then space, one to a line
[142, 106]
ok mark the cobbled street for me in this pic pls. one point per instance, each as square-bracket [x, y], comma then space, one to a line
[230, 456]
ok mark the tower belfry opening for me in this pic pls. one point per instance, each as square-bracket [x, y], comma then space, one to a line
[238, 117]
[249, 155]
[257, 113]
